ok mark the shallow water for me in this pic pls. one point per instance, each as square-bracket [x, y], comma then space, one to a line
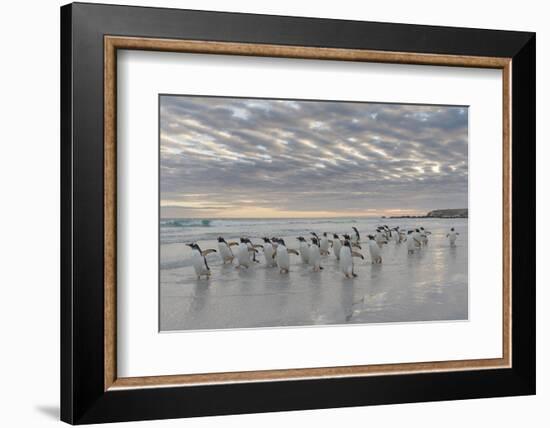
[430, 285]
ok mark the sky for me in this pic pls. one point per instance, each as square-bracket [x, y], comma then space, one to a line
[266, 158]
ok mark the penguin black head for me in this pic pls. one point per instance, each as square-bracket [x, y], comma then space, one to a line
[220, 239]
[315, 241]
[335, 236]
[301, 239]
[346, 236]
[314, 234]
[452, 229]
[418, 230]
[281, 241]
[194, 246]
[371, 237]
[266, 240]
[422, 229]
[409, 232]
[324, 234]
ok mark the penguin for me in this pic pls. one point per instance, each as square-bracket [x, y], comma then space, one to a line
[357, 237]
[380, 237]
[243, 253]
[269, 252]
[412, 242]
[402, 236]
[417, 238]
[374, 249]
[323, 244]
[396, 235]
[198, 259]
[387, 232]
[346, 260]
[304, 250]
[282, 256]
[315, 255]
[252, 249]
[452, 236]
[424, 235]
[336, 245]
[226, 254]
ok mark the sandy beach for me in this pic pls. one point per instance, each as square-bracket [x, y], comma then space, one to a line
[430, 285]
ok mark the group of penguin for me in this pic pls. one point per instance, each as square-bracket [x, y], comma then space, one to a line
[276, 253]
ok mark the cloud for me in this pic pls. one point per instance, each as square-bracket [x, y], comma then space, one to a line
[225, 156]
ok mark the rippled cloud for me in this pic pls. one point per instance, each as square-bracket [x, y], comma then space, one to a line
[231, 157]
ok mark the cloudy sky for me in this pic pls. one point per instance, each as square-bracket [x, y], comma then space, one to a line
[234, 158]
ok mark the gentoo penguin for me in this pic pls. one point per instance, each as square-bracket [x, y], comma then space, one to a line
[226, 254]
[252, 249]
[412, 242]
[402, 236]
[452, 236]
[323, 245]
[424, 235]
[315, 255]
[282, 256]
[417, 238]
[346, 260]
[336, 245]
[396, 236]
[374, 249]
[304, 249]
[269, 252]
[243, 253]
[357, 237]
[198, 258]
[387, 232]
[380, 237]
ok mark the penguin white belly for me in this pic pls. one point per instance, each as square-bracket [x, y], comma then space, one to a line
[324, 245]
[243, 256]
[315, 257]
[225, 252]
[346, 262]
[374, 251]
[283, 259]
[198, 264]
[380, 238]
[417, 239]
[304, 252]
[411, 245]
[337, 246]
[396, 237]
[268, 254]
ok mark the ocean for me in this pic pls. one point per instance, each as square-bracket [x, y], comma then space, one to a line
[430, 285]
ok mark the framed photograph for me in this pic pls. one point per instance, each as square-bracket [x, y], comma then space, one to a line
[266, 213]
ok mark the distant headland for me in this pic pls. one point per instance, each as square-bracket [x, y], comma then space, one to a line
[447, 213]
